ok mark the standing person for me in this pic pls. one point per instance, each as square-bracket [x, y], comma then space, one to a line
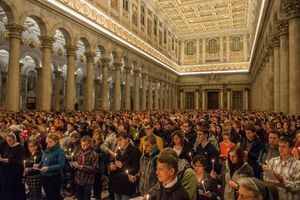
[225, 146]
[149, 130]
[189, 133]
[286, 170]
[181, 146]
[126, 163]
[33, 177]
[11, 170]
[296, 149]
[51, 166]
[86, 164]
[232, 169]
[171, 188]
[207, 186]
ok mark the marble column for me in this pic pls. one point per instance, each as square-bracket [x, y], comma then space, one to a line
[156, 102]
[284, 67]
[292, 8]
[181, 100]
[203, 50]
[228, 99]
[196, 99]
[271, 81]
[246, 99]
[13, 85]
[38, 87]
[97, 92]
[161, 95]
[70, 80]
[46, 86]
[203, 100]
[221, 99]
[150, 93]
[57, 89]
[117, 89]
[105, 86]
[144, 91]
[127, 87]
[136, 102]
[276, 46]
[169, 96]
[89, 88]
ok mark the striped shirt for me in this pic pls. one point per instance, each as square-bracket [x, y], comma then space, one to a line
[289, 188]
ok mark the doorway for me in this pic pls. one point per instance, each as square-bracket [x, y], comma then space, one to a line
[212, 100]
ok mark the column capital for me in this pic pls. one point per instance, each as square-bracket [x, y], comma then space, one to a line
[127, 69]
[57, 73]
[117, 66]
[275, 40]
[105, 61]
[71, 50]
[283, 27]
[46, 41]
[292, 8]
[144, 75]
[136, 71]
[15, 30]
[90, 56]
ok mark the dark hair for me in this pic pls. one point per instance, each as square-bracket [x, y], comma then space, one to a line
[87, 139]
[123, 135]
[171, 151]
[169, 160]
[284, 139]
[276, 132]
[240, 154]
[201, 159]
[36, 143]
[149, 124]
[151, 139]
[179, 134]
[203, 130]
[59, 128]
[251, 128]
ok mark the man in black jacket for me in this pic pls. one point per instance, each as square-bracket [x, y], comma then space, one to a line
[171, 188]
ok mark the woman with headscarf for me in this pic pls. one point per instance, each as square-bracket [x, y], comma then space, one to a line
[11, 170]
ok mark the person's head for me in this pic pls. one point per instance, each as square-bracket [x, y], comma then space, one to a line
[122, 127]
[123, 139]
[97, 138]
[236, 124]
[250, 132]
[177, 138]
[34, 145]
[111, 128]
[86, 142]
[286, 126]
[59, 131]
[285, 146]
[11, 139]
[186, 126]
[158, 125]
[297, 138]
[171, 151]
[52, 140]
[236, 155]
[75, 137]
[150, 143]
[70, 127]
[202, 134]
[199, 163]
[149, 128]
[251, 189]
[167, 167]
[273, 138]
[226, 136]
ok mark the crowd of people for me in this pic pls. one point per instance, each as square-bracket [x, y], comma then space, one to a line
[155, 155]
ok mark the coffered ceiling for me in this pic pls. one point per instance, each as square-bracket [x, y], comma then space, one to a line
[200, 16]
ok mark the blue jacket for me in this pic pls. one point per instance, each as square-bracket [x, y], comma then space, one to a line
[54, 158]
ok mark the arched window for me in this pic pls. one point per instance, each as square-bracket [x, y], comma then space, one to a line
[190, 48]
[212, 46]
[125, 5]
[236, 44]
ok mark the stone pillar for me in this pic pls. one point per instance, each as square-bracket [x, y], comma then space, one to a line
[228, 99]
[221, 49]
[170, 96]
[105, 89]
[117, 89]
[271, 81]
[13, 85]
[276, 46]
[97, 91]
[127, 87]
[175, 97]
[161, 95]
[228, 48]
[70, 80]
[292, 8]
[156, 102]
[245, 47]
[150, 94]
[221, 99]
[203, 50]
[89, 89]
[284, 67]
[181, 100]
[46, 86]
[203, 100]
[38, 87]
[265, 81]
[246, 99]
[144, 91]
[136, 102]
[57, 89]
[196, 99]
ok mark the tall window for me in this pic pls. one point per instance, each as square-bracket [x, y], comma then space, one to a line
[236, 44]
[155, 25]
[143, 15]
[237, 100]
[165, 36]
[189, 100]
[190, 48]
[125, 5]
[212, 46]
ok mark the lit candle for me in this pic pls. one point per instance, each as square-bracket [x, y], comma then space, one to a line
[190, 154]
[239, 144]
[72, 156]
[69, 151]
[147, 197]
[24, 164]
[213, 164]
[34, 159]
[127, 172]
[115, 157]
[203, 186]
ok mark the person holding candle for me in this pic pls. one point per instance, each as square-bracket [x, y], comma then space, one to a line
[127, 159]
[33, 177]
[296, 149]
[51, 166]
[11, 170]
[180, 145]
[207, 187]
[232, 169]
